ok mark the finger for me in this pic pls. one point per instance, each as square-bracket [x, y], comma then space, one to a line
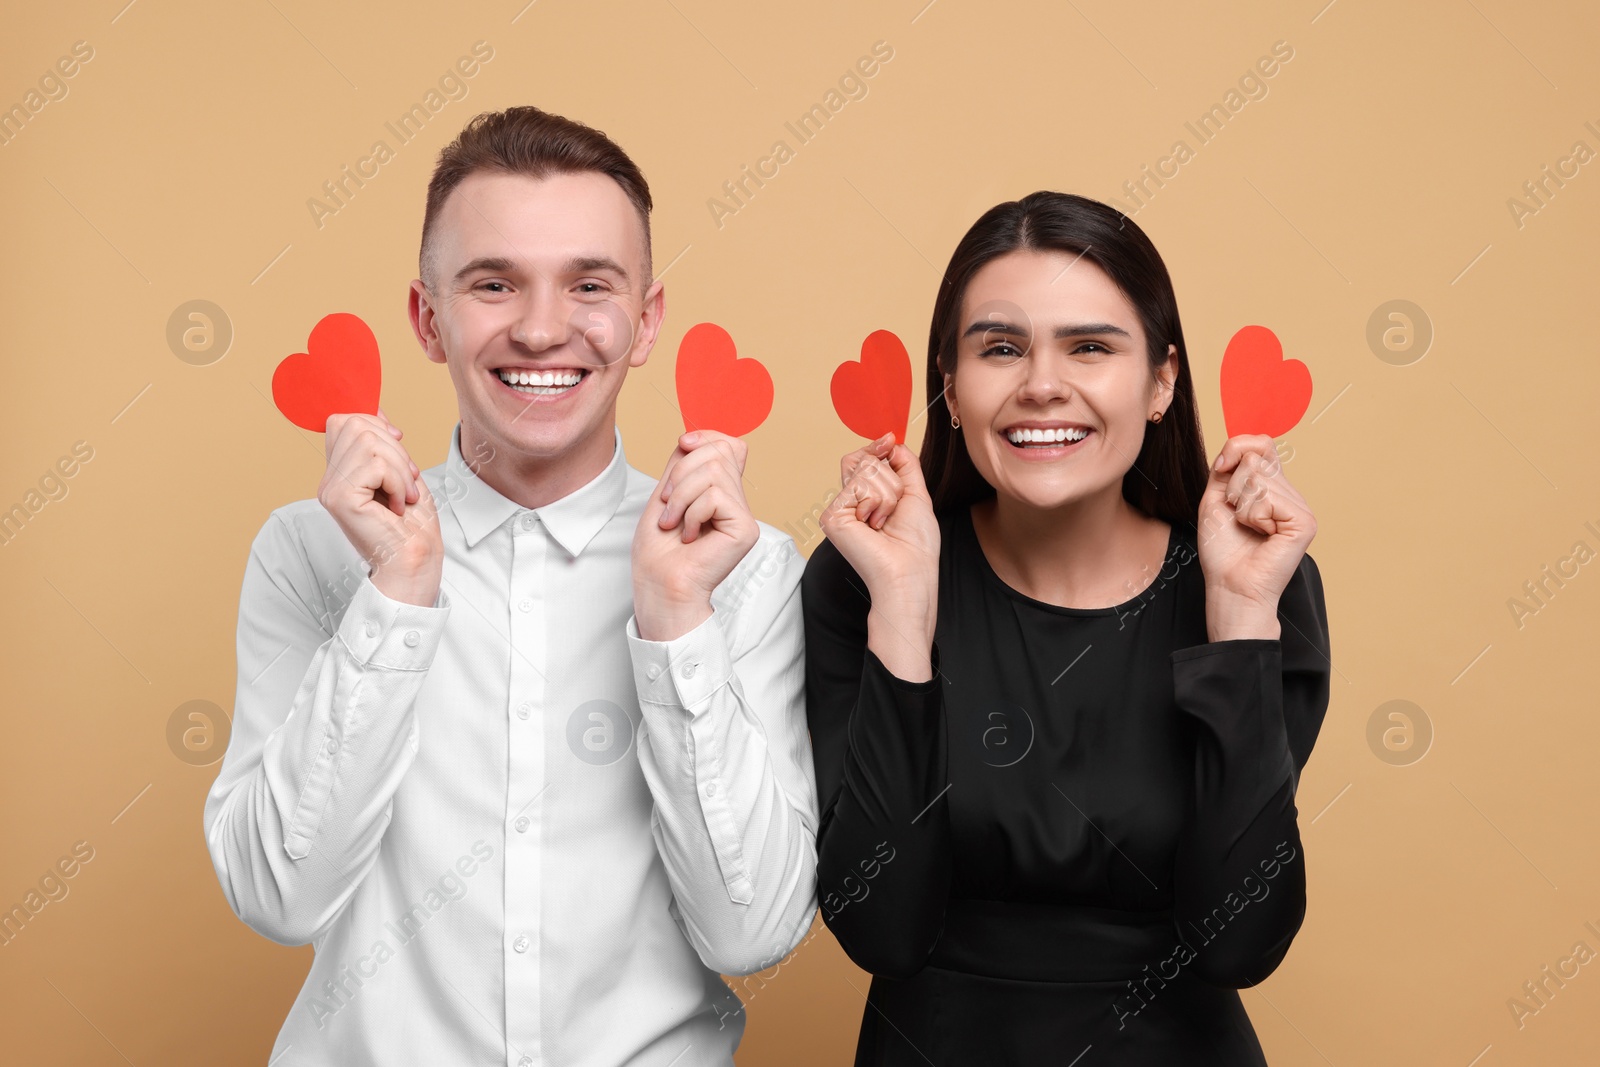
[875, 484]
[732, 447]
[366, 438]
[686, 487]
[666, 473]
[706, 457]
[1248, 480]
[393, 429]
[705, 508]
[371, 479]
[689, 477]
[1237, 447]
[908, 468]
[1264, 514]
[887, 488]
[852, 460]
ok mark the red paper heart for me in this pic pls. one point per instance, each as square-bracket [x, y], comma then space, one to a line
[1261, 391]
[338, 373]
[716, 389]
[873, 394]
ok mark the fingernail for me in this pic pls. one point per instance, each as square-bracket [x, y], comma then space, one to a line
[1216, 464]
[691, 438]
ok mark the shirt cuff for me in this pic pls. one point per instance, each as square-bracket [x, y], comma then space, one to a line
[873, 663]
[381, 632]
[1223, 648]
[685, 670]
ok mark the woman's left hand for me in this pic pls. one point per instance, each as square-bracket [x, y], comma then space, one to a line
[1253, 529]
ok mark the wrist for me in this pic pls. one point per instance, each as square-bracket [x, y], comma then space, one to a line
[409, 586]
[903, 643]
[1241, 619]
[666, 617]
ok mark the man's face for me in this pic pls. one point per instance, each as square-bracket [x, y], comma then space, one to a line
[538, 308]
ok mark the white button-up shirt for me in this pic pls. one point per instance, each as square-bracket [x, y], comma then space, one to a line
[515, 832]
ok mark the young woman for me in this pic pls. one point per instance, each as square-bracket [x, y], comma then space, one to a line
[1062, 678]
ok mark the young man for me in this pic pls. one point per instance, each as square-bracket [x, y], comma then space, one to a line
[530, 784]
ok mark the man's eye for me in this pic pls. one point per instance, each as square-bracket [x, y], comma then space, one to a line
[590, 287]
[485, 285]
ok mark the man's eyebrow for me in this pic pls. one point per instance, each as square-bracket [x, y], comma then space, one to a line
[982, 326]
[575, 265]
[584, 264]
[493, 264]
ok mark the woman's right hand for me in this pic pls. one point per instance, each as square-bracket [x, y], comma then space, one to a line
[882, 523]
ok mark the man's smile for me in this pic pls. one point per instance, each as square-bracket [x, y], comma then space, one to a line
[550, 383]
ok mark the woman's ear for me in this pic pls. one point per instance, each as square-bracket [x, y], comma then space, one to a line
[950, 393]
[1166, 379]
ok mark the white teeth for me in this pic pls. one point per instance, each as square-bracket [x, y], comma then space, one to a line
[1045, 437]
[540, 381]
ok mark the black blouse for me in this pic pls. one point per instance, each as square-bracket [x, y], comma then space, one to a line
[1079, 838]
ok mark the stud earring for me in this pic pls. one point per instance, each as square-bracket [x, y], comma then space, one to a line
[955, 422]
[1156, 417]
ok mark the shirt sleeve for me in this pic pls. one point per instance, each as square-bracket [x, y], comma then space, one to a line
[879, 741]
[324, 729]
[725, 754]
[1256, 707]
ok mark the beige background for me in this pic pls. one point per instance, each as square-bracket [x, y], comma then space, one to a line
[1377, 167]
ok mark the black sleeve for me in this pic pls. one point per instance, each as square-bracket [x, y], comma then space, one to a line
[878, 741]
[1256, 707]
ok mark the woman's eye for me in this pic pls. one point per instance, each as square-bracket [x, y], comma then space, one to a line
[1003, 350]
[1093, 347]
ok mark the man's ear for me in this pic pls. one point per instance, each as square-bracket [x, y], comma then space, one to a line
[423, 321]
[651, 314]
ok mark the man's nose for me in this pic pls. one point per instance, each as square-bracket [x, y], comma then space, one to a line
[543, 321]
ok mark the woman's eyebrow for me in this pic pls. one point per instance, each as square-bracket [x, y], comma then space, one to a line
[982, 326]
[1088, 329]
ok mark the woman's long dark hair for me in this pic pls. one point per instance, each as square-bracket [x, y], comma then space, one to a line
[1169, 476]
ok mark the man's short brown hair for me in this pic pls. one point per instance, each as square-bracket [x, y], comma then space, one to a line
[526, 140]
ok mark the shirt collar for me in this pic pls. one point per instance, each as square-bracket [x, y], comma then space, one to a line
[572, 521]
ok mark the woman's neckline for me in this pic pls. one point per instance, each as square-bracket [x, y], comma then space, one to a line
[990, 575]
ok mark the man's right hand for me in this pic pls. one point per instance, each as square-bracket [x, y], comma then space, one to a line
[379, 499]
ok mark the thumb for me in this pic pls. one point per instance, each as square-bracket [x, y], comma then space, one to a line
[909, 468]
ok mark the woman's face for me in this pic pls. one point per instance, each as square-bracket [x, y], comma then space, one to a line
[1049, 348]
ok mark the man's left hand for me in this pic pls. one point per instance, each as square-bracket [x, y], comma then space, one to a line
[694, 531]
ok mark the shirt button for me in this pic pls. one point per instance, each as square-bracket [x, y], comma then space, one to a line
[526, 605]
[372, 629]
[688, 669]
[413, 639]
[528, 520]
[711, 789]
[521, 943]
[332, 746]
[522, 825]
[526, 1061]
[522, 711]
[652, 672]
